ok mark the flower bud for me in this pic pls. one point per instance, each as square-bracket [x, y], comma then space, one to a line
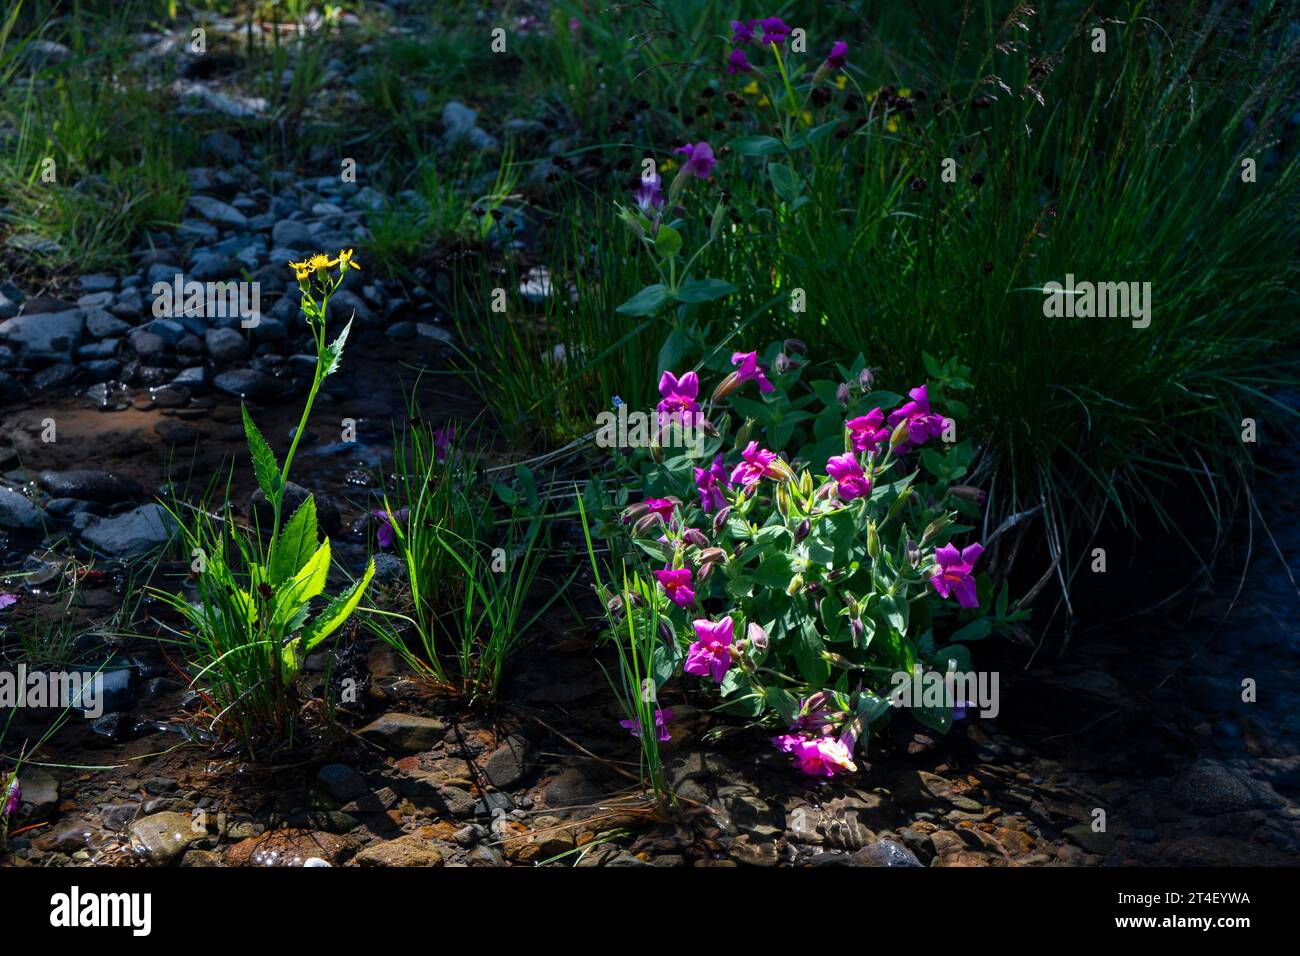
[720, 520]
[796, 583]
[856, 628]
[842, 395]
[726, 386]
[968, 493]
[758, 638]
[781, 363]
[801, 530]
[719, 218]
[795, 346]
[783, 501]
[780, 470]
[614, 605]
[806, 484]
[634, 511]
[666, 630]
[742, 436]
[913, 554]
[704, 572]
[873, 541]
[900, 435]
[696, 537]
[711, 555]
[866, 378]
[933, 529]
[646, 523]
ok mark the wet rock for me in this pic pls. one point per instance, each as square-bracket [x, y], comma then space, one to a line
[226, 345]
[70, 837]
[508, 764]
[163, 837]
[97, 282]
[150, 346]
[571, 790]
[754, 852]
[249, 383]
[46, 337]
[176, 433]
[342, 782]
[291, 847]
[1211, 787]
[16, 511]
[547, 837]
[56, 376]
[406, 733]
[40, 791]
[221, 145]
[410, 850]
[101, 325]
[454, 802]
[885, 853]
[292, 234]
[217, 212]
[1092, 841]
[133, 533]
[91, 485]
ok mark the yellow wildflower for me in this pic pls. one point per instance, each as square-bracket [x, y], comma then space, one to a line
[300, 269]
[345, 260]
[320, 262]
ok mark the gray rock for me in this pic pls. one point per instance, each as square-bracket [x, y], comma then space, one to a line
[248, 383]
[149, 345]
[217, 212]
[405, 732]
[98, 282]
[40, 790]
[16, 511]
[342, 782]
[508, 764]
[435, 333]
[1211, 787]
[226, 345]
[460, 124]
[102, 325]
[45, 337]
[213, 267]
[55, 376]
[885, 853]
[221, 145]
[163, 837]
[95, 300]
[347, 305]
[91, 485]
[292, 234]
[133, 533]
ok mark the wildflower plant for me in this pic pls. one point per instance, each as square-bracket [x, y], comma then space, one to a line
[811, 554]
[254, 623]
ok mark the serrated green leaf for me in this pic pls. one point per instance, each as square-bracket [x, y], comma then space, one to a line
[265, 467]
[297, 543]
[339, 610]
[305, 585]
[334, 351]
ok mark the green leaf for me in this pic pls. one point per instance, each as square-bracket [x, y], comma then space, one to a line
[785, 181]
[306, 584]
[296, 545]
[668, 242]
[334, 352]
[756, 145]
[265, 467]
[339, 610]
[976, 630]
[645, 302]
[703, 290]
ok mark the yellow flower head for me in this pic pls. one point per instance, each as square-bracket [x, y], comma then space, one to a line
[345, 260]
[301, 270]
[320, 262]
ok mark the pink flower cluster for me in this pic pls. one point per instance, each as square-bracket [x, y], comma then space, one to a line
[813, 741]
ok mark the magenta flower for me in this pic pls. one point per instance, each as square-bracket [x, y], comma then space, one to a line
[738, 62]
[775, 30]
[442, 439]
[817, 756]
[838, 55]
[866, 431]
[649, 193]
[663, 507]
[742, 31]
[952, 575]
[677, 585]
[679, 396]
[710, 482]
[661, 724]
[386, 536]
[12, 799]
[710, 656]
[922, 424]
[756, 465]
[699, 159]
[7, 599]
[849, 479]
[750, 370]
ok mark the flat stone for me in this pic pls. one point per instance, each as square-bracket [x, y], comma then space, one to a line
[16, 511]
[91, 485]
[410, 850]
[217, 212]
[291, 847]
[405, 732]
[45, 337]
[163, 837]
[133, 533]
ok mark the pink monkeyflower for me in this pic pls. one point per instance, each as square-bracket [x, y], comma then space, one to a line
[677, 585]
[649, 192]
[710, 655]
[817, 714]
[710, 482]
[12, 799]
[775, 30]
[755, 466]
[742, 31]
[838, 56]
[699, 159]
[922, 424]
[679, 398]
[952, 574]
[387, 536]
[738, 62]
[867, 432]
[661, 725]
[749, 369]
[817, 756]
[663, 507]
[849, 479]
[8, 599]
